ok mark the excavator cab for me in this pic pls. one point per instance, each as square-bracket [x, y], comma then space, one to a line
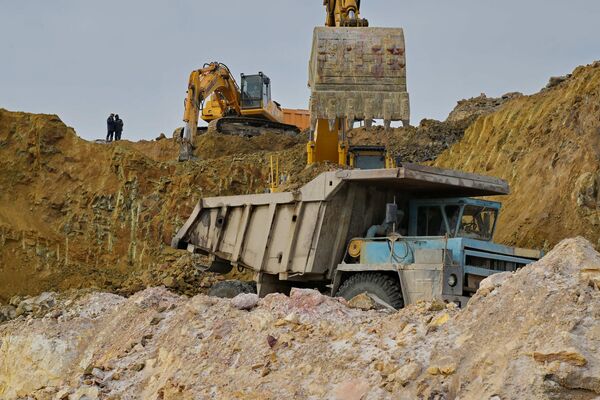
[254, 102]
[256, 91]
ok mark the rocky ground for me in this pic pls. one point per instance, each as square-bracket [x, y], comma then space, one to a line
[479, 106]
[532, 334]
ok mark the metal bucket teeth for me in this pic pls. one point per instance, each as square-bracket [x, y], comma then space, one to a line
[358, 73]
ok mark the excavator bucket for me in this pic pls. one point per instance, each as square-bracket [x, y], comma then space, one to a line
[358, 74]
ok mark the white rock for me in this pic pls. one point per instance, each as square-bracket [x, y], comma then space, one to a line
[62, 394]
[351, 389]
[85, 393]
[98, 373]
[407, 373]
[245, 301]
[292, 317]
[494, 281]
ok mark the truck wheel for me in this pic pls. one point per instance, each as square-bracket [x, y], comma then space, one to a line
[381, 285]
[230, 289]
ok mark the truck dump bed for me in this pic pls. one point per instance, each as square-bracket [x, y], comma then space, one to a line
[305, 232]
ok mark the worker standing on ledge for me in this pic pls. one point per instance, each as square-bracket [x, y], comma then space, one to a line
[118, 127]
[110, 125]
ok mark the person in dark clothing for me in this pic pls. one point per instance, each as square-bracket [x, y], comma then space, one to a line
[118, 127]
[110, 125]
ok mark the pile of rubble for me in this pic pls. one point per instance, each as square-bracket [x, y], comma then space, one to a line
[37, 306]
[480, 105]
[427, 141]
[527, 335]
[413, 144]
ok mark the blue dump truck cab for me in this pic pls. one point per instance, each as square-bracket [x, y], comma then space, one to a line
[444, 251]
[401, 235]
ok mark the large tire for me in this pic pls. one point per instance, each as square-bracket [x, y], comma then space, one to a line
[230, 289]
[380, 285]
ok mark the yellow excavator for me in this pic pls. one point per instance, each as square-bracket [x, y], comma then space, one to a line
[214, 95]
[356, 73]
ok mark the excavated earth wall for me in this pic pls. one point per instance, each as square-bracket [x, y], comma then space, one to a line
[78, 214]
[547, 146]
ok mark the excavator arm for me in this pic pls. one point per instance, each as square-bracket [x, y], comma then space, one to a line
[214, 78]
[343, 13]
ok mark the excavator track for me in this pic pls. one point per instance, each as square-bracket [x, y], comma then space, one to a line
[249, 127]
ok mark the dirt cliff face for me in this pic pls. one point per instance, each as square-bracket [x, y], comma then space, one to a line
[79, 214]
[547, 146]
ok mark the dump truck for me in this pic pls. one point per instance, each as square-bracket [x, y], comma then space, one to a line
[401, 235]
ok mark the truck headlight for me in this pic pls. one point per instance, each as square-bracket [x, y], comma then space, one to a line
[452, 280]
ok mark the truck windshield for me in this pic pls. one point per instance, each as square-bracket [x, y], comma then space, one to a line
[477, 223]
[252, 91]
[431, 221]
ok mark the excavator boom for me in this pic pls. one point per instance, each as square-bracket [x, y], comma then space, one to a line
[214, 78]
[343, 13]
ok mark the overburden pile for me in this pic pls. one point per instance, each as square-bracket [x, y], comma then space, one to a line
[532, 334]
